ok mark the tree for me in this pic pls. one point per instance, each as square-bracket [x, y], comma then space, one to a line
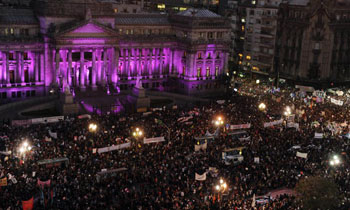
[318, 193]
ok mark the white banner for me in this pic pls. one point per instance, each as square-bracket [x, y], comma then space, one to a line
[242, 126]
[293, 125]
[220, 101]
[114, 147]
[318, 135]
[276, 122]
[84, 116]
[184, 119]
[302, 155]
[244, 139]
[145, 114]
[153, 140]
[256, 160]
[200, 147]
[53, 134]
[5, 153]
[202, 177]
[337, 102]
[47, 119]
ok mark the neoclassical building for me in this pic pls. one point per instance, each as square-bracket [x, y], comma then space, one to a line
[88, 45]
[313, 41]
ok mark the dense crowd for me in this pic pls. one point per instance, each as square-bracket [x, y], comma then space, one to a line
[162, 175]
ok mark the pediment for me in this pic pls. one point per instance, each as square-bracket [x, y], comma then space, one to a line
[87, 29]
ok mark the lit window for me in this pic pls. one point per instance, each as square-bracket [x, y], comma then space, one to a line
[116, 10]
[6, 31]
[216, 71]
[242, 28]
[240, 62]
[161, 6]
[243, 20]
[255, 68]
[127, 31]
[185, 54]
[253, 2]
[183, 70]
[240, 55]
[182, 8]
[248, 57]
[199, 55]
[209, 55]
[208, 71]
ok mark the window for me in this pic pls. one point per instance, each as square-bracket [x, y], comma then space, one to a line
[208, 71]
[161, 6]
[199, 55]
[243, 20]
[127, 31]
[134, 10]
[131, 31]
[185, 54]
[210, 35]
[248, 57]
[209, 55]
[199, 70]
[28, 93]
[6, 31]
[25, 56]
[183, 70]
[216, 71]
[317, 46]
[116, 10]
[120, 30]
[217, 55]
[242, 28]
[12, 32]
[219, 35]
[201, 35]
[13, 94]
[11, 56]
[19, 94]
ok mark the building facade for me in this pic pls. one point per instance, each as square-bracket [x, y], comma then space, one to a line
[86, 45]
[313, 41]
[260, 36]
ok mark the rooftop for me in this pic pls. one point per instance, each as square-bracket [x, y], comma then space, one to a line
[141, 19]
[203, 13]
[13, 16]
[299, 2]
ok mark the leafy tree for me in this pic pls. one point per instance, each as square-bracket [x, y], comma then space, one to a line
[318, 193]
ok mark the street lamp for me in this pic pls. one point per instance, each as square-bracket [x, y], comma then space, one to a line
[334, 161]
[92, 127]
[220, 188]
[24, 148]
[262, 107]
[288, 111]
[219, 121]
[137, 133]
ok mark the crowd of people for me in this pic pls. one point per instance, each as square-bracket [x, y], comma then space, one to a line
[162, 175]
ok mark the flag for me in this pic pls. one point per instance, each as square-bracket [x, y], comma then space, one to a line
[202, 177]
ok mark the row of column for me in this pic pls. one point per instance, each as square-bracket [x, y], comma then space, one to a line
[145, 61]
[102, 68]
[35, 67]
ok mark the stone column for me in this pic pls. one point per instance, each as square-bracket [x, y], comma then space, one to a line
[116, 66]
[36, 66]
[104, 69]
[82, 71]
[18, 75]
[42, 67]
[171, 62]
[213, 64]
[99, 64]
[204, 69]
[64, 70]
[4, 73]
[161, 62]
[129, 61]
[139, 63]
[94, 70]
[111, 65]
[191, 61]
[69, 70]
[57, 69]
[7, 66]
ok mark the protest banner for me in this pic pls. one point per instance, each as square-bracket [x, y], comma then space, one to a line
[184, 119]
[105, 171]
[53, 134]
[21, 122]
[220, 101]
[318, 135]
[244, 138]
[145, 114]
[301, 155]
[200, 147]
[114, 147]
[153, 140]
[273, 123]
[241, 126]
[337, 102]
[202, 177]
[84, 116]
[53, 162]
[293, 125]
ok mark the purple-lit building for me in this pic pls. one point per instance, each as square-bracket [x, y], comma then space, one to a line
[89, 46]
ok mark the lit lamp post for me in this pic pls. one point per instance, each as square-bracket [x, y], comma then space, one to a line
[288, 111]
[92, 127]
[24, 148]
[262, 107]
[334, 161]
[220, 188]
[137, 134]
[219, 121]
[257, 81]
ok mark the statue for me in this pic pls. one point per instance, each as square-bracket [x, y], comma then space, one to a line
[139, 82]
